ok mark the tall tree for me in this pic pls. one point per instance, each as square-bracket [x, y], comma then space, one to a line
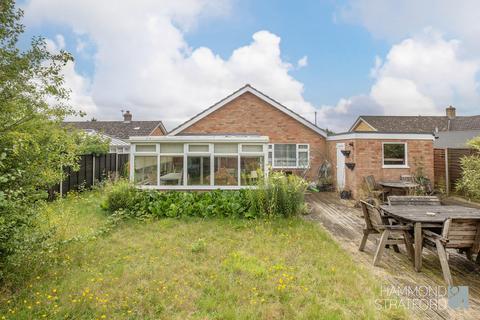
[33, 143]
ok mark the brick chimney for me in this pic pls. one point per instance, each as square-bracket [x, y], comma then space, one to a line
[127, 116]
[451, 112]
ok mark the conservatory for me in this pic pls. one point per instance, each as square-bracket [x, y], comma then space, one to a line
[197, 162]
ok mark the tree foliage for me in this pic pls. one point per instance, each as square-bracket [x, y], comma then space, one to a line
[33, 143]
[469, 183]
[92, 143]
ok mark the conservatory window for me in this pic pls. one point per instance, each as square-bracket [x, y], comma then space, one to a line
[145, 170]
[171, 148]
[198, 171]
[198, 148]
[226, 170]
[146, 148]
[171, 170]
[226, 148]
[250, 169]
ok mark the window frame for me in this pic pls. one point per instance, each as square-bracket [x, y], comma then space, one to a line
[395, 166]
[271, 150]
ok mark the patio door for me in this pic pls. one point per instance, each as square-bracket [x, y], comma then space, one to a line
[340, 166]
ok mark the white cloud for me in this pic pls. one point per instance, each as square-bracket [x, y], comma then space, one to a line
[397, 20]
[420, 75]
[303, 62]
[80, 95]
[423, 74]
[144, 63]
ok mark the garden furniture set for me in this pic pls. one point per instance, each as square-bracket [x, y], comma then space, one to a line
[421, 221]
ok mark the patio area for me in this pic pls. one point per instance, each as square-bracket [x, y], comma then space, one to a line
[345, 224]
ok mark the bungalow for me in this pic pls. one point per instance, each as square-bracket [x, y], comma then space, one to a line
[223, 146]
[452, 131]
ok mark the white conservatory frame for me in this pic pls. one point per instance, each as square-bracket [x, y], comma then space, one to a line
[188, 141]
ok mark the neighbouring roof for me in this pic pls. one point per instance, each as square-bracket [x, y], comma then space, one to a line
[259, 94]
[455, 139]
[425, 124]
[375, 135]
[115, 142]
[119, 129]
[463, 123]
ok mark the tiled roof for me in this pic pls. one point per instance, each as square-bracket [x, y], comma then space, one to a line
[118, 129]
[426, 124]
[465, 123]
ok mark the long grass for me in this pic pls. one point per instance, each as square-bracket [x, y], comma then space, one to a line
[191, 269]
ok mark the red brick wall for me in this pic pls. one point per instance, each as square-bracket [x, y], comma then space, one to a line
[157, 132]
[367, 156]
[249, 114]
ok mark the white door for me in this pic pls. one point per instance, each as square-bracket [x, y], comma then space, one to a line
[340, 166]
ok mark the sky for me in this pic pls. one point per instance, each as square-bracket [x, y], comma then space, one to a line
[170, 59]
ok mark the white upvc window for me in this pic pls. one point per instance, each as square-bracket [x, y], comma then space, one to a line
[394, 155]
[289, 155]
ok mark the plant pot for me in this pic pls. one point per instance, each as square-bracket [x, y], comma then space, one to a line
[350, 165]
[345, 194]
[325, 187]
[346, 153]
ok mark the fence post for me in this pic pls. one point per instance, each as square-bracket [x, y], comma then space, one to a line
[447, 177]
[61, 181]
[93, 170]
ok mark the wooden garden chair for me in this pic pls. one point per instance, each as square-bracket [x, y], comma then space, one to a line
[413, 201]
[374, 189]
[390, 234]
[407, 177]
[457, 233]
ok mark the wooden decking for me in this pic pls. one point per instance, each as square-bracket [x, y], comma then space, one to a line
[345, 224]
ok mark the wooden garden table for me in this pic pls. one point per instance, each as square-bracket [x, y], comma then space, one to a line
[417, 215]
[407, 186]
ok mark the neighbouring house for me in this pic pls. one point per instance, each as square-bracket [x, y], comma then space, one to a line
[452, 131]
[119, 131]
[226, 144]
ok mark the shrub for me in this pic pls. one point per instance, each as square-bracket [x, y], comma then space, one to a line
[121, 195]
[469, 183]
[278, 195]
[142, 203]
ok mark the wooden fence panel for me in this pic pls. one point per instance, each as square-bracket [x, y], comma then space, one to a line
[454, 169]
[439, 168]
[91, 169]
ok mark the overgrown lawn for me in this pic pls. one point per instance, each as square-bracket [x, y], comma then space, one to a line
[191, 268]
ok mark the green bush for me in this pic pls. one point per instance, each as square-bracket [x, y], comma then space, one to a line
[278, 195]
[121, 195]
[142, 203]
[469, 183]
